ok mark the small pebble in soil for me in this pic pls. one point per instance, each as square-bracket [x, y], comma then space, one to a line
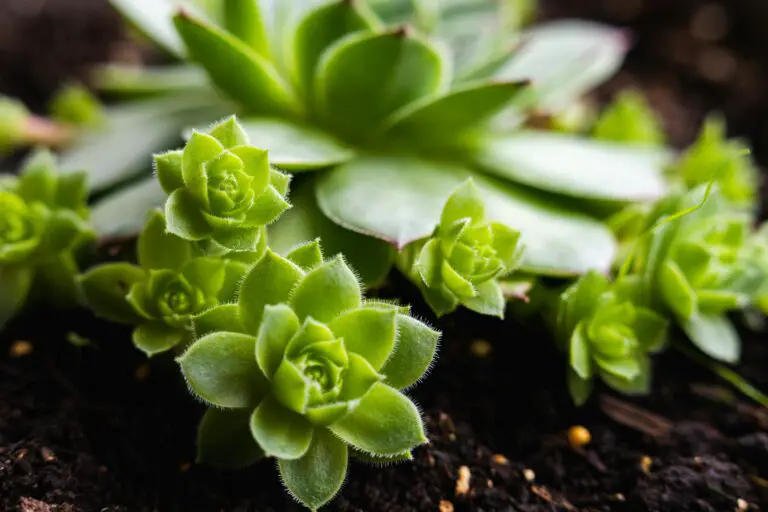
[529, 475]
[578, 436]
[446, 506]
[462, 482]
[481, 348]
[500, 459]
[47, 454]
[742, 504]
[645, 464]
[142, 372]
[21, 349]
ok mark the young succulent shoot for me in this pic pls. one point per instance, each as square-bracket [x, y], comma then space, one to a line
[43, 227]
[629, 119]
[366, 102]
[701, 266]
[727, 161]
[172, 284]
[606, 334]
[20, 128]
[462, 262]
[77, 106]
[307, 371]
[222, 191]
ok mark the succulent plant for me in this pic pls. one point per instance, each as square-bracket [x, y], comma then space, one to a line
[374, 104]
[629, 119]
[607, 334]
[305, 370]
[173, 284]
[43, 227]
[465, 257]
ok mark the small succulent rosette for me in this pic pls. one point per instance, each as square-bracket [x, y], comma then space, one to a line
[222, 191]
[607, 334]
[307, 371]
[629, 119]
[43, 226]
[463, 260]
[171, 285]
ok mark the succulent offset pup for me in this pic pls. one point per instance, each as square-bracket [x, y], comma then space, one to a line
[462, 261]
[172, 284]
[312, 369]
[43, 225]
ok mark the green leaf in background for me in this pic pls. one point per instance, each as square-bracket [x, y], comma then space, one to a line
[565, 59]
[224, 439]
[128, 81]
[714, 335]
[629, 119]
[400, 200]
[235, 68]
[15, 283]
[124, 212]
[243, 18]
[355, 97]
[576, 166]
[294, 147]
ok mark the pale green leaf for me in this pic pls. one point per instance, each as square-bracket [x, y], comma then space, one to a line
[155, 338]
[244, 19]
[327, 291]
[579, 388]
[307, 255]
[225, 317]
[715, 336]
[158, 249]
[184, 218]
[489, 300]
[580, 353]
[676, 291]
[370, 332]
[105, 288]
[278, 326]
[16, 282]
[280, 433]
[416, 348]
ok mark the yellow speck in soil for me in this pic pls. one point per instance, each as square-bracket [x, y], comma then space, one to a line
[529, 475]
[578, 436]
[619, 497]
[142, 372]
[500, 459]
[645, 464]
[742, 504]
[462, 482]
[445, 506]
[47, 454]
[21, 349]
[481, 348]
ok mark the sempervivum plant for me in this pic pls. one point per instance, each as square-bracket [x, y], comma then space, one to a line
[173, 284]
[395, 115]
[43, 227]
[311, 369]
[606, 333]
[465, 257]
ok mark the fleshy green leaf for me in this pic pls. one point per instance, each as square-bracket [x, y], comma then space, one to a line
[715, 336]
[295, 147]
[489, 300]
[354, 96]
[316, 478]
[625, 369]
[270, 281]
[37, 181]
[322, 27]
[574, 166]
[235, 68]
[225, 317]
[579, 388]
[280, 433]
[244, 19]
[369, 332]
[444, 119]
[155, 338]
[307, 255]
[557, 241]
[16, 282]
[650, 329]
[384, 423]
[153, 18]
[168, 170]
[327, 291]
[158, 249]
[413, 354]
[239, 239]
[278, 326]
[184, 218]
[429, 263]
[360, 377]
[677, 293]
[580, 354]
[221, 370]
[464, 202]
[224, 439]
[105, 288]
[290, 387]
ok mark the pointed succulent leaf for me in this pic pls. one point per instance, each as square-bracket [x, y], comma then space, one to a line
[557, 241]
[105, 288]
[580, 354]
[153, 338]
[676, 291]
[290, 387]
[319, 29]
[167, 168]
[205, 273]
[307, 255]
[714, 335]
[650, 329]
[270, 281]
[368, 332]
[464, 202]
[640, 384]
[444, 119]
[354, 97]
[359, 379]
[327, 291]
[280, 433]
[429, 263]
[376, 460]
[224, 439]
[316, 477]
[489, 299]
[244, 19]
[225, 317]
[16, 282]
[235, 68]
[245, 239]
[278, 326]
[579, 388]
[575, 166]
[221, 370]
[267, 207]
[629, 119]
[37, 182]
[184, 218]
[385, 422]
[413, 355]
[295, 147]
[159, 249]
[624, 368]
[229, 133]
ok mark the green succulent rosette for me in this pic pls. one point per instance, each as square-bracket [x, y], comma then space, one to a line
[607, 334]
[307, 372]
[172, 285]
[629, 119]
[465, 257]
[222, 191]
[43, 227]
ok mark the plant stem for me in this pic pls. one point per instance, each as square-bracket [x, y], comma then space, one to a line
[43, 131]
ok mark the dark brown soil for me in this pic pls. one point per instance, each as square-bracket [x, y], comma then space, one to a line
[97, 429]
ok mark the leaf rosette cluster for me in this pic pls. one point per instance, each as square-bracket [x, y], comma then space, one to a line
[305, 370]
